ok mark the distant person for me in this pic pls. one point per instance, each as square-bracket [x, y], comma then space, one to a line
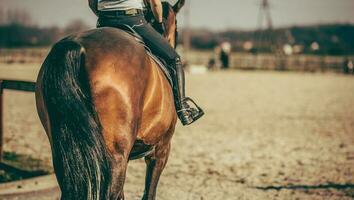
[211, 64]
[345, 66]
[348, 66]
[114, 13]
[225, 55]
[214, 61]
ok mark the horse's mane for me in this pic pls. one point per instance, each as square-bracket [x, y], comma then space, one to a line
[166, 8]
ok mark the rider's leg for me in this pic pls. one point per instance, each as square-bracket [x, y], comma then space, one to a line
[162, 48]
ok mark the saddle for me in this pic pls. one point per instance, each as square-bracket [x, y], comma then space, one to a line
[160, 62]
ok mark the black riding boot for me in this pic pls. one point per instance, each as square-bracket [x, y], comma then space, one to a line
[185, 112]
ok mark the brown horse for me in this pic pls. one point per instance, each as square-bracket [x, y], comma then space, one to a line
[101, 99]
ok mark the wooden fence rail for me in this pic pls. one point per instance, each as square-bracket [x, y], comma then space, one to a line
[246, 61]
[11, 85]
[32, 55]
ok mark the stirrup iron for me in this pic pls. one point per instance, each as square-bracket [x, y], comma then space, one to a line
[188, 115]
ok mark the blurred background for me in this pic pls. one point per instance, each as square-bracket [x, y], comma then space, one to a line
[275, 78]
[287, 29]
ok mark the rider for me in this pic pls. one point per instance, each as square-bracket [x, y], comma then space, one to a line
[113, 13]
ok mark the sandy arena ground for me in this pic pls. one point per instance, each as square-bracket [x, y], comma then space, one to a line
[266, 135]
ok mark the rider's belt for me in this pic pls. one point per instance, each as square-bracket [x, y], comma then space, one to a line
[117, 13]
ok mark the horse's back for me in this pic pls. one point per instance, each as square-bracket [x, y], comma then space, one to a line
[112, 48]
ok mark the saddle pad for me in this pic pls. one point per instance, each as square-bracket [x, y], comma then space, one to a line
[161, 64]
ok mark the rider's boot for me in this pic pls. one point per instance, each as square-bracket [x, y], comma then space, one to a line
[185, 112]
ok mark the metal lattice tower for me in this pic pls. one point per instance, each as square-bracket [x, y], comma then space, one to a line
[262, 34]
[266, 36]
[264, 14]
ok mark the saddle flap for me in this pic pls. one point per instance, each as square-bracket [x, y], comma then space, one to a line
[160, 62]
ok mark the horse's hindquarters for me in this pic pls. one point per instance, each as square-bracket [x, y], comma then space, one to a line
[97, 94]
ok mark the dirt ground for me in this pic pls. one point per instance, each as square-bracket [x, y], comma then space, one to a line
[265, 135]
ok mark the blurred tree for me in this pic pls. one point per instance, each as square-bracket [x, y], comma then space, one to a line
[2, 16]
[75, 26]
[18, 16]
[332, 39]
[16, 35]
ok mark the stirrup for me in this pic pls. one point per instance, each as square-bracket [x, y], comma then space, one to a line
[189, 114]
[187, 99]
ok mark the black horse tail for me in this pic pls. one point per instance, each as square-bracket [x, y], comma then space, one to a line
[81, 159]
